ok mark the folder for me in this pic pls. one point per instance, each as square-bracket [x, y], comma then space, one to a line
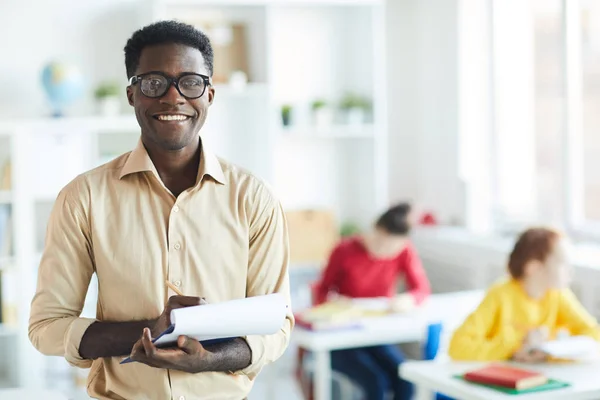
[211, 323]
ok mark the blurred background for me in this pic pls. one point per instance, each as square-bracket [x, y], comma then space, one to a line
[484, 114]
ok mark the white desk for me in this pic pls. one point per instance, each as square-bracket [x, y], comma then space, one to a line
[26, 394]
[435, 376]
[449, 308]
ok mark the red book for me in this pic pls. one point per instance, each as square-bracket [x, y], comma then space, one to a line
[506, 376]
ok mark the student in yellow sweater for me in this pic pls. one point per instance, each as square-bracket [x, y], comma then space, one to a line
[532, 306]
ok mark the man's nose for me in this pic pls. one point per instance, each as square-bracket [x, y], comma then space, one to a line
[172, 96]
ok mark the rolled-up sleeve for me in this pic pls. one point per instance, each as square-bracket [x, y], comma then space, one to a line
[268, 264]
[64, 275]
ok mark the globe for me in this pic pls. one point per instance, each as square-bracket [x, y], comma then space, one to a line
[63, 84]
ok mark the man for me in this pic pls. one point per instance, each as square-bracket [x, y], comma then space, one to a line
[170, 210]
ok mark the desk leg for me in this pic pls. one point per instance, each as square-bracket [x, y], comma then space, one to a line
[322, 375]
[423, 393]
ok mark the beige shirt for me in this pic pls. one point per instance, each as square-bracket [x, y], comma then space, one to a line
[225, 238]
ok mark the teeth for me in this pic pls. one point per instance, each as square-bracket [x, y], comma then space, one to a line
[172, 117]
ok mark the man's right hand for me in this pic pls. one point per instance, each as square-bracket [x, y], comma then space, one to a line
[174, 302]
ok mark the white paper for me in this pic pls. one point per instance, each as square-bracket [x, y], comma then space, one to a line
[259, 315]
[573, 347]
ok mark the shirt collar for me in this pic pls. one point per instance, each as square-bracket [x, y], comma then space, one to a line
[139, 161]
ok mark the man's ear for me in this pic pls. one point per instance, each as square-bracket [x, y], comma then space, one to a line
[130, 95]
[211, 95]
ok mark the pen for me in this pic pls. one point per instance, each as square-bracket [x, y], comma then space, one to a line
[174, 288]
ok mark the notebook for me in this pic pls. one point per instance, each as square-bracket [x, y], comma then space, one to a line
[210, 323]
[571, 347]
[551, 384]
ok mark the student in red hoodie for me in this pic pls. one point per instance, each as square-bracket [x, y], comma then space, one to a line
[370, 265]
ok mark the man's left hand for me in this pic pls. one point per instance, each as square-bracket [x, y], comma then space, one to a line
[189, 355]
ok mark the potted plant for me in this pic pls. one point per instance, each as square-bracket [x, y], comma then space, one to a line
[286, 114]
[322, 113]
[349, 228]
[108, 97]
[355, 108]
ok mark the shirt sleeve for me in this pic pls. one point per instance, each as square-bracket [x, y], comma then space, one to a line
[477, 340]
[416, 279]
[573, 316]
[329, 278]
[64, 276]
[268, 265]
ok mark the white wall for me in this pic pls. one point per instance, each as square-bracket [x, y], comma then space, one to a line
[36, 32]
[423, 105]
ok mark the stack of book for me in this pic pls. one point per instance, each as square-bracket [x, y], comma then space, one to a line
[511, 380]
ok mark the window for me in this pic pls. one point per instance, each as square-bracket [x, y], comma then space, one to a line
[590, 65]
[546, 107]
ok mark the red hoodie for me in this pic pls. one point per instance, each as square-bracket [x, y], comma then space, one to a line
[353, 272]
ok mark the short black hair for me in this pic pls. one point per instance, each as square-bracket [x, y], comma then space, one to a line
[395, 220]
[166, 32]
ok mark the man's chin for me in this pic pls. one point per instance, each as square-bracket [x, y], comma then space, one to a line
[174, 142]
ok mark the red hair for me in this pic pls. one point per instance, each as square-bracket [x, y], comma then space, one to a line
[533, 244]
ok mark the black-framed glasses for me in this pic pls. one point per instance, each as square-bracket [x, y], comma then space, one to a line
[155, 84]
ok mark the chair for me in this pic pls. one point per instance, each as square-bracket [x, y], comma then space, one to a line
[431, 348]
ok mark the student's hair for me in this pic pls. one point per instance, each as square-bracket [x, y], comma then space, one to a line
[533, 244]
[395, 220]
[166, 32]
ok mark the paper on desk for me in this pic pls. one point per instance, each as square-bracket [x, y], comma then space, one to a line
[259, 315]
[572, 347]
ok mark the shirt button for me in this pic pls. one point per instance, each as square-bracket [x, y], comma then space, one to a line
[177, 283]
[177, 246]
[176, 209]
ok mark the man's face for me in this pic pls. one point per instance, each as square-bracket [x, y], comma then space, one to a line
[156, 116]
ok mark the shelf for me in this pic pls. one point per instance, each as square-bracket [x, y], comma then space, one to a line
[251, 89]
[92, 123]
[5, 197]
[226, 3]
[332, 132]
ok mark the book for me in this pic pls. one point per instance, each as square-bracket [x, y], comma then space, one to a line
[342, 314]
[552, 384]
[210, 323]
[506, 376]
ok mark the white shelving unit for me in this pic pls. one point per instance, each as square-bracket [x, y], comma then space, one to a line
[45, 154]
[299, 51]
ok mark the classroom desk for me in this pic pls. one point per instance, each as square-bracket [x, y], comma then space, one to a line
[436, 376]
[26, 394]
[448, 308]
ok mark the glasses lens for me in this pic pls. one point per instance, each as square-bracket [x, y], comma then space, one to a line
[191, 86]
[154, 85]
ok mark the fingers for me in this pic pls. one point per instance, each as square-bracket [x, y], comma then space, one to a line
[137, 351]
[189, 345]
[149, 347]
[183, 301]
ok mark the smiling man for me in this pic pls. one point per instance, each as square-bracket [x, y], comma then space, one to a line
[169, 211]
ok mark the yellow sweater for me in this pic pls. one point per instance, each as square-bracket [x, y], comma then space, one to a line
[497, 328]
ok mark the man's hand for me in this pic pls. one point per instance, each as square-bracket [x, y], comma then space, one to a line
[174, 302]
[189, 355]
